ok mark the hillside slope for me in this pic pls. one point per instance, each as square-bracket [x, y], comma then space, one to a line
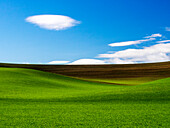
[103, 71]
[31, 84]
[125, 74]
[31, 99]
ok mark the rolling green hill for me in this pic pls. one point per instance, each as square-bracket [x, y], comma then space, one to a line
[32, 98]
[127, 74]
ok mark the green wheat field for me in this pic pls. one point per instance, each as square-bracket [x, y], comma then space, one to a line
[32, 98]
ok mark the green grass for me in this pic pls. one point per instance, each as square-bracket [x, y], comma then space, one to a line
[123, 81]
[31, 98]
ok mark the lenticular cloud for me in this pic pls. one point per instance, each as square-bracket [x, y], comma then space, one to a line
[52, 22]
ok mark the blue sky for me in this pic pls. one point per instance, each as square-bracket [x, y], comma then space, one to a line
[86, 31]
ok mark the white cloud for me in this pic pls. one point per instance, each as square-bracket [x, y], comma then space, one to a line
[167, 28]
[154, 35]
[126, 43]
[118, 61]
[58, 62]
[87, 61]
[163, 41]
[155, 53]
[52, 22]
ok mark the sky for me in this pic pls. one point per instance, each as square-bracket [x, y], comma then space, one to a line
[84, 31]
